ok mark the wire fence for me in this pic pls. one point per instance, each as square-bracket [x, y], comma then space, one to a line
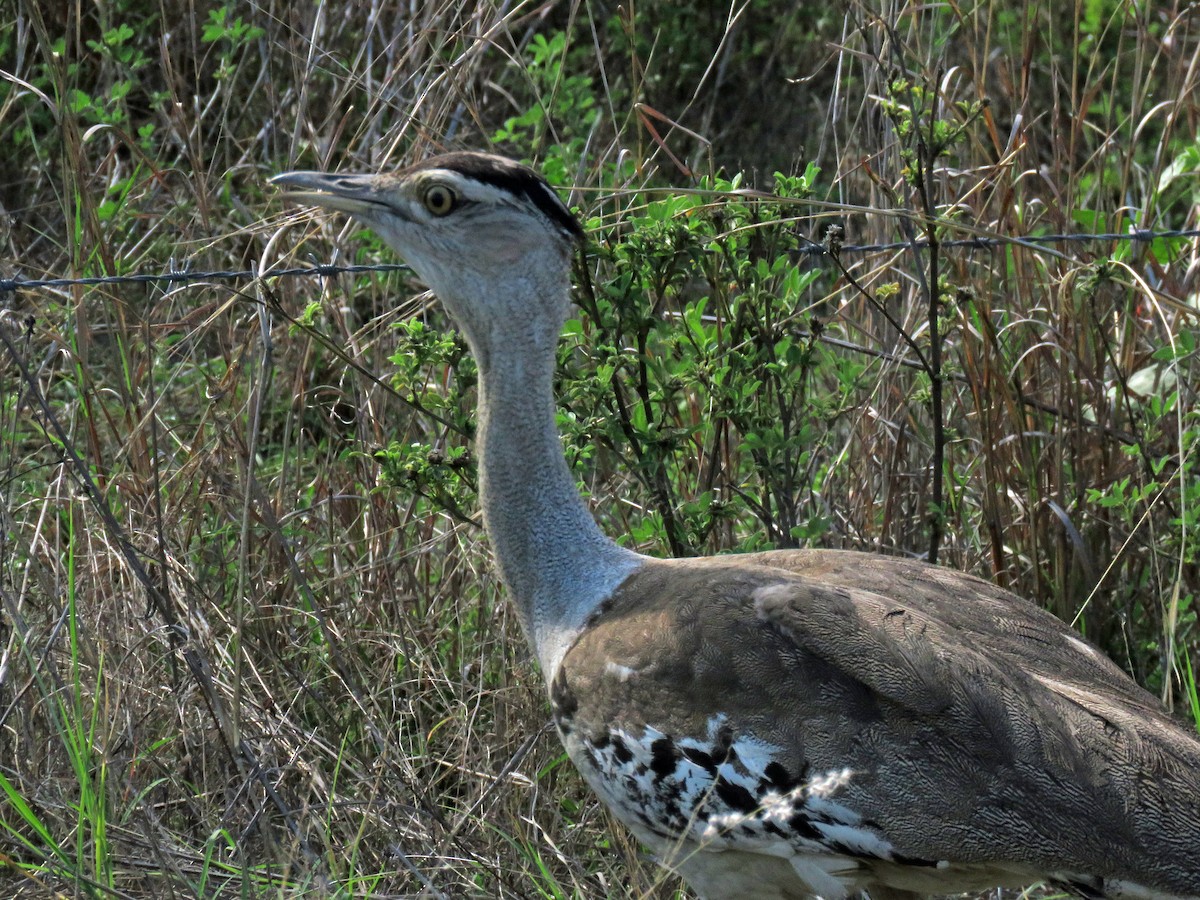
[328, 270]
[185, 276]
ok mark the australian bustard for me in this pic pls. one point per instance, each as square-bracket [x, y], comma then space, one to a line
[787, 724]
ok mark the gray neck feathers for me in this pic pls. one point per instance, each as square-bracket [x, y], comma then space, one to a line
[552, 556]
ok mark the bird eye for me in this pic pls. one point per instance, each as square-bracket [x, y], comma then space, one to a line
[439, 199]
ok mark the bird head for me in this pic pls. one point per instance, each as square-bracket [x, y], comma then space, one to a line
[478, 229]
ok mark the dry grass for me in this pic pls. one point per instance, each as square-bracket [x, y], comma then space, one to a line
[237, 663]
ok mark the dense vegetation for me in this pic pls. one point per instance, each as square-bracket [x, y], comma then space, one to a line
[252, 644]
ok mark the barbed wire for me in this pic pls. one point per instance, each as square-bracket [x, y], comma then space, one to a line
[813, 248]
[176, 276]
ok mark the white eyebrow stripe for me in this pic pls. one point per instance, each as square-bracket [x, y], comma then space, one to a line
[507, 190]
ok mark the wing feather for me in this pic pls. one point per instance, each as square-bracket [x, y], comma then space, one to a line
[976, 727]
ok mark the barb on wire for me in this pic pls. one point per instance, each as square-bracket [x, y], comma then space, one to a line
[329, 270]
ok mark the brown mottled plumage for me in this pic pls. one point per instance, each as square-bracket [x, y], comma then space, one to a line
[986, 742]
[782, 725]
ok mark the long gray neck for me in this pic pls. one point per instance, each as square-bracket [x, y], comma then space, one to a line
[552, 556]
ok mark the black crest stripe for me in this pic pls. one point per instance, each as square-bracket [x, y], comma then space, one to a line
[512, 177]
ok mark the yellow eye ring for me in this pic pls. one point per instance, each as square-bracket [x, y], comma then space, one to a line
[439, 200]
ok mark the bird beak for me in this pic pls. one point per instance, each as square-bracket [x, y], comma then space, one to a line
[353, 194]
